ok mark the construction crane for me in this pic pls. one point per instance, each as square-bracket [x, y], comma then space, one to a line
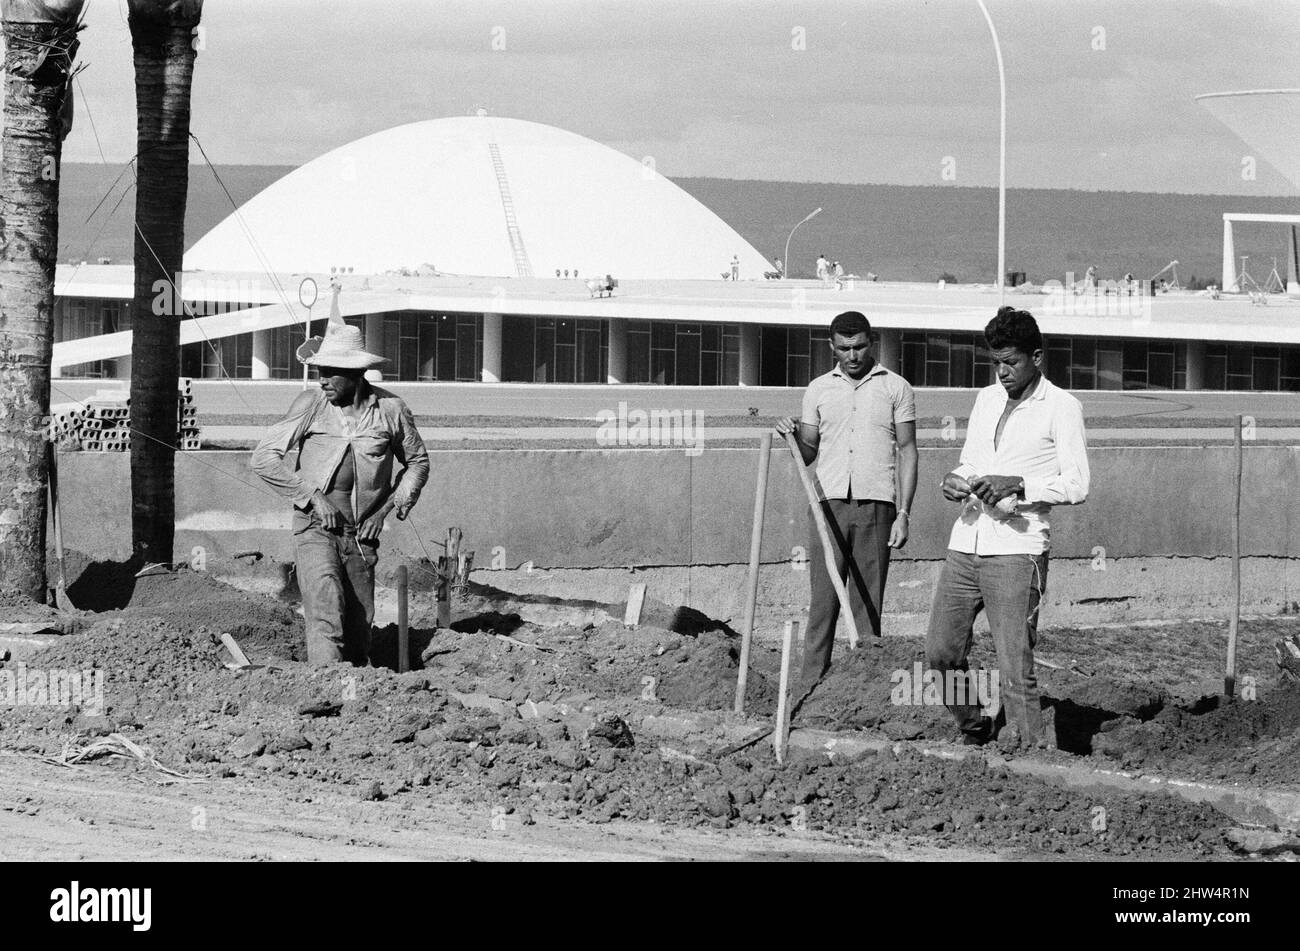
[1171, 266]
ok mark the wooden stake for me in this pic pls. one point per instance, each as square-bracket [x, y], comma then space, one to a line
[61, 599]
[1230, 674]
[751, 589]
[403, 629]
[447, 565]
[824, 532]
[781, 734]
[237, 652]
[635, 601]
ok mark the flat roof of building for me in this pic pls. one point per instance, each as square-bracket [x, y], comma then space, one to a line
[1179, 315]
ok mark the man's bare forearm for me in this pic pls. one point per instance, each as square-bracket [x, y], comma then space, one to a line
[908, 465]
[808, 452]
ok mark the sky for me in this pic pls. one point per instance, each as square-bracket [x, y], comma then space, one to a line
[1099, 94]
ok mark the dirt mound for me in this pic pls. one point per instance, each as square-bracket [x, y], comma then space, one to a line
[859, 692]
[190, 601]
[869, 689]
[570, 720]
[606, 661]
[384, 735]
[137, 650]
[18, 608]
[1240, 740]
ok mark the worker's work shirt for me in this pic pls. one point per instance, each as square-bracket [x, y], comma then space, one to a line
[857, 423]
[321, 433]
[1044, 443]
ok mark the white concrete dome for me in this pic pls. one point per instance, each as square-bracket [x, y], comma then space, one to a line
[429, 193]
[1268, 120]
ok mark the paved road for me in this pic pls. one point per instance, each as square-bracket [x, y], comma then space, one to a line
[219, 397]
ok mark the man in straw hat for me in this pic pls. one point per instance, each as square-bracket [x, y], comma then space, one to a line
[347, 434]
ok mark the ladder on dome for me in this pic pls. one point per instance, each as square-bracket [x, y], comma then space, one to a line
[522, 267]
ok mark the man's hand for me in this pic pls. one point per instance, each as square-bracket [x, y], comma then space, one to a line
[787, 424]
[994, 488]
[955, 488]
[368, 531]
[330, 517]
[898, 533]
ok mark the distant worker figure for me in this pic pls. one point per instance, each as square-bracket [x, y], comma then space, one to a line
[1025, 451]
[780, 268]
[837, 270]
[853, 417]
[823, 267]
[346, 434]
[1090, 278]
[735, 267]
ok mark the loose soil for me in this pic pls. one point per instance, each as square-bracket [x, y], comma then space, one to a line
[594, 723]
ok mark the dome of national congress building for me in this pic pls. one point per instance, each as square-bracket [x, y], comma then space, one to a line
[477, 195]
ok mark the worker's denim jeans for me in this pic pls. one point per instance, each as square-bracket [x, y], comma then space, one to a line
[336, 575]
[860, 538]
[1008, 588]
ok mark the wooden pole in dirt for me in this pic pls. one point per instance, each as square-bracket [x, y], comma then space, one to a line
[751, 588]
[781, 734]
[824, 532]
[447, 567]
[403, 628]
[1230, 674]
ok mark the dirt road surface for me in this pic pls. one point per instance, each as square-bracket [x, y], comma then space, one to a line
[103, 813]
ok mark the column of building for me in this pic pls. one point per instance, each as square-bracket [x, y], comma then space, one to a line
[617, 372]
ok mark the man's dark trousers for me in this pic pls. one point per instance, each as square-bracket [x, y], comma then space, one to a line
[860, 538]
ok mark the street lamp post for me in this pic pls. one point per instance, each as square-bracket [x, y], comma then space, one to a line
[786, 259]
[1002, 160]
[306, 297]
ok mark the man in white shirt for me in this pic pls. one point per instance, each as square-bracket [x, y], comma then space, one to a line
[1025, 451]
[859, 426]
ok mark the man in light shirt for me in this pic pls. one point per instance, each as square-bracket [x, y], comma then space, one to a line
[853, 418]
[1025, 451]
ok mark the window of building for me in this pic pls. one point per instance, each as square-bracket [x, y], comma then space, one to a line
[1160, 365]
[689, 351]
[1239, 366]
[730, 354]
[638, 351]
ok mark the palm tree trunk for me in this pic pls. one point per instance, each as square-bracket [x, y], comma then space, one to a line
[40, 45]
[162, 39]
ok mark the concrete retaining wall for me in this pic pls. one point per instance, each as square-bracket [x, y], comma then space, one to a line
[620, 508]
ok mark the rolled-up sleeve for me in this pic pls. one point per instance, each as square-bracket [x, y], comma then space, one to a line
[809, 414]
[1070, 485]
[268, 458]
[905, 404]
[414, 458]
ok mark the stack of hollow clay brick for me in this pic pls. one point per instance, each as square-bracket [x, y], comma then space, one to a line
[103, 422]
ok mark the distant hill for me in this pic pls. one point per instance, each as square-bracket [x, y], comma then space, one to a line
[918, 232]
[108, 233]
[899, 232]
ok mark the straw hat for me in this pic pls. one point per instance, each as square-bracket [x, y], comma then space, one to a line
[342, 347]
